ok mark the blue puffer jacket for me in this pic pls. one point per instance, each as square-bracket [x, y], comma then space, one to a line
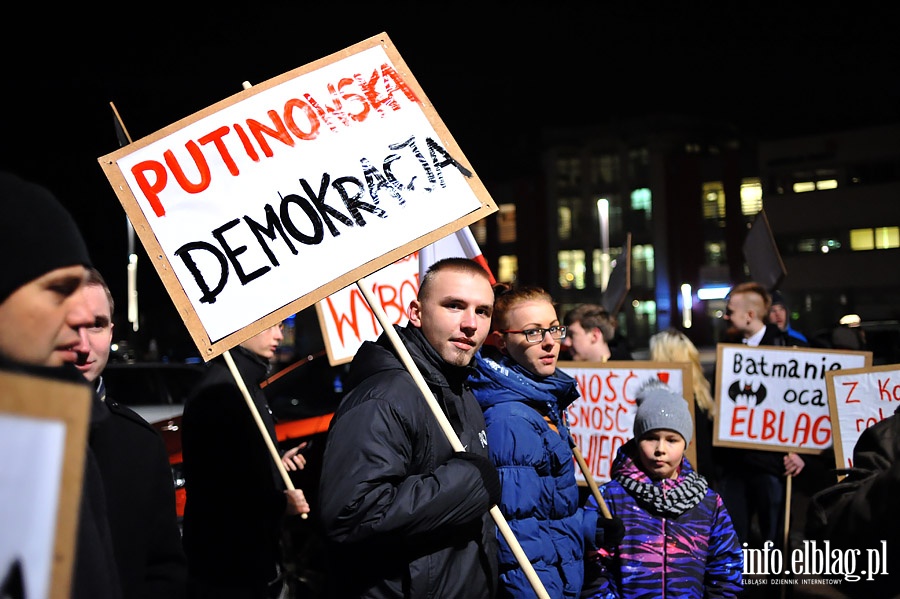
[533, 455]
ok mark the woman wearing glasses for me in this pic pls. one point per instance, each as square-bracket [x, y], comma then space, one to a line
[524, 398]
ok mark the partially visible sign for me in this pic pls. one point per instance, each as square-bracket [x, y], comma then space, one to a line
[774, 398]
[43, 440]
[345, 318]
[602, 419]
[292, 189]
[859, 398]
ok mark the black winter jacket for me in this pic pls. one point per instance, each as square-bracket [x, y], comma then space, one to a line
[403, 517]
[859, 513]
[94, 572]
[140, 499]
[235, 501]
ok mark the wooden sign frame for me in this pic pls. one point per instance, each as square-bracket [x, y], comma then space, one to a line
[628, 368]
[53, 411]
[211, 345]
[868, 405]
[774, 421]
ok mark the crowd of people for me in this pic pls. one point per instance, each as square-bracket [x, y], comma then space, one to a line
[449, 465]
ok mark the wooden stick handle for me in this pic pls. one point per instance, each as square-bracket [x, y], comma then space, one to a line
[457, 445]
[259, 423]
[590, 481]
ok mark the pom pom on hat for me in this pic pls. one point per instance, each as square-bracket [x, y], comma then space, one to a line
[660, 407]
[37, 234]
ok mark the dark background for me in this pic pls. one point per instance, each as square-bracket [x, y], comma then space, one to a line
[497, 73]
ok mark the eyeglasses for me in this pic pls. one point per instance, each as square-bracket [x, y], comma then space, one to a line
[537, 335]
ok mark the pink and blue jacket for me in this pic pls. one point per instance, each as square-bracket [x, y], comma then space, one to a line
[679, 541]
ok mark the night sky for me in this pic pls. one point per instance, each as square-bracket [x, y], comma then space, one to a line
[496, 73]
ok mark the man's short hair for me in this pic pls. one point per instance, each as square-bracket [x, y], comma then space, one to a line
[752, 287]
[464, 265]
[592, 316]
[95, 278]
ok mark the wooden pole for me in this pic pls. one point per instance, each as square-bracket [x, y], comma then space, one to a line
[590, 481]
[457, 445]
[259, 423]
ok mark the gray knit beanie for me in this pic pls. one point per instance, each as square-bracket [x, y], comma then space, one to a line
[37, 234]
[660, 407]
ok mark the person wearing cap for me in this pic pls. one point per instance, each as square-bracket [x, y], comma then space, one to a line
[42, 310]
[679, 540]
[781, 318]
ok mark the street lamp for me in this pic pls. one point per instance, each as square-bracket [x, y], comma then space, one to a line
[603, 213]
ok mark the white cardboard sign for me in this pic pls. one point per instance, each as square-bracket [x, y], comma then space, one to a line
[602, 419]
[859, 398]
[774, 398]
[271, 200]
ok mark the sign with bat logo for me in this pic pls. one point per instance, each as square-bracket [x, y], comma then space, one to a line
[775, 398]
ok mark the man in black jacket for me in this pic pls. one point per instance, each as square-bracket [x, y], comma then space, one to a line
[405, 515]
[753, 481]
[236, 499]
[132, 456]
[42, 310]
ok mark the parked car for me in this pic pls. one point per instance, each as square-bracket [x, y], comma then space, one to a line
[157, 391]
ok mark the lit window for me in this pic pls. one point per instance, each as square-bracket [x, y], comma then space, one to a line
[642, 266]
[713, 200]
[862, 239]
[508, 269]
[887, 237]
[804, 186]
[571, 269]
[568, 172]
[715, 253]
[479, 231]
[751, 196]
[564, 215]
[880, 238]
[827, 184]
[506, 223]
[640, 199]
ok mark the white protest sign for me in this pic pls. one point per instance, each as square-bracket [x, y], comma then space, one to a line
[602, 419]
[857, 399]
[293, 189]
[345, 318]
[774, 398]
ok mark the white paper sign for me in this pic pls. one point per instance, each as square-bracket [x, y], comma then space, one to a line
[859, 398]
[775, 398]
[278, 194]
[602, 419]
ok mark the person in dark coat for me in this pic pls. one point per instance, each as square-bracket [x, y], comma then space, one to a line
[132, 456]
[405, 515]
[858, 513]
[236, 499]
[41, 311]
[752, 481]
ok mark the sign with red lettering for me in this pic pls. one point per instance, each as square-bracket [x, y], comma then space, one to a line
[857, 399]
[774, 398]
[602, 419]
[346, 319]
[271, 200]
